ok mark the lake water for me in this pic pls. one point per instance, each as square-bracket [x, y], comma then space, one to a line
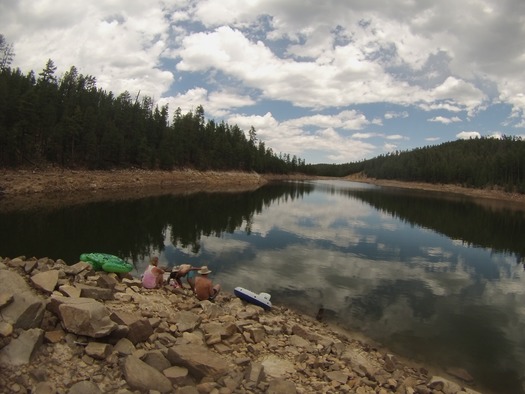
[436, 278]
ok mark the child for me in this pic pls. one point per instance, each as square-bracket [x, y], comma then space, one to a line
[153, 277]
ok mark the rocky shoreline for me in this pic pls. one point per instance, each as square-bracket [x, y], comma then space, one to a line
[22, 189]
[68, 329]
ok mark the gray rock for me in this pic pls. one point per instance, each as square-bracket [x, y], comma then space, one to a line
[277, 367]
[5, 299]
[305, 333]
[358, 361]
[26, 310]
[125, 347]
[444, 385]
[187, 321]
[84, 387]
[77, 268]
[6, 329]
[390, 362]
[30, 266]
[199, 360]
[69, 291]
[107, 281]
[20, 351]
[141, 376]
[156, 360]
[83, 316]
[281, 387]
[97, 293]
[187, 390]
[298, 341]
[139, 328]
[45, 388]
[99, 351]
[460, 373]
[337, 376]
[17, 262]
[255, 373]
[45, 281]
[176, 375]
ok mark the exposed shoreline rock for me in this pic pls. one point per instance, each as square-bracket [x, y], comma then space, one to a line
[23, 189]
[68, 329]
[26, 188]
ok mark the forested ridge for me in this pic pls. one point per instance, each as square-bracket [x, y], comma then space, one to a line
[68, 121]
[476, 163]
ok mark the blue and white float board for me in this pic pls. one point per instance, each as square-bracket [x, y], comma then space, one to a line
[261, 299]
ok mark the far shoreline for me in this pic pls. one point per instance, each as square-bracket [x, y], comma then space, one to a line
[488, 197]
[26, 188]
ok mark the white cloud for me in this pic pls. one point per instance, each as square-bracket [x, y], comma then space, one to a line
[362, 64]
[348, 120]
[393, 115]
[216, 104]
[496, 135]
[466, 135]
[365, 136]
[458, 91]
[260, 123]
[396, 137]
[289, 137]
[118, 43]
[389, 147]
[444, 120]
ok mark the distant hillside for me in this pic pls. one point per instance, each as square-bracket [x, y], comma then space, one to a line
[475, 163]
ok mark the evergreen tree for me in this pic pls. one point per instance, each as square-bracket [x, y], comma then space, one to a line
[6, 53]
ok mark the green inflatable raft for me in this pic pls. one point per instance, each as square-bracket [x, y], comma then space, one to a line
[106, 262]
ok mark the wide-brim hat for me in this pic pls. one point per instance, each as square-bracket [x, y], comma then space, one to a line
[204, 270]
[176, 268]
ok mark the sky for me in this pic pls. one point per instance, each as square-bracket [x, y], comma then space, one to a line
[332, 81]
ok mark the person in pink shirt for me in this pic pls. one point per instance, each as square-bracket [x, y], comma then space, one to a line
[153, 277]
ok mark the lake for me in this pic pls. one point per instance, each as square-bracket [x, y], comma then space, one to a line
[434, 277]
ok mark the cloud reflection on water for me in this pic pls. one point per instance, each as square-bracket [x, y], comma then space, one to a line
[407, 286]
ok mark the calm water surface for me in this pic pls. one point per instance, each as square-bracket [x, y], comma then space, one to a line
[436, 278]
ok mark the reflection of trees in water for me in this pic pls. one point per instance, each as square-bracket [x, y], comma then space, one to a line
[459, 219]
[212, 214]
[134, 228]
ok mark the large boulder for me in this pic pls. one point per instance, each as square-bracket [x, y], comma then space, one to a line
[139, 328]
[187, 321]
[26, 309]
[199, 360]
[45, 281]
[143, 377]
[83, 316]
[21, 350]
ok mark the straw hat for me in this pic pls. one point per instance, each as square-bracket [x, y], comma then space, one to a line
[204, 270]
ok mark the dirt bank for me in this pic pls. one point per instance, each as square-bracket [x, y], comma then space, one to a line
[20, 182]
[29, 189]
[26, 188]
[493, 197]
